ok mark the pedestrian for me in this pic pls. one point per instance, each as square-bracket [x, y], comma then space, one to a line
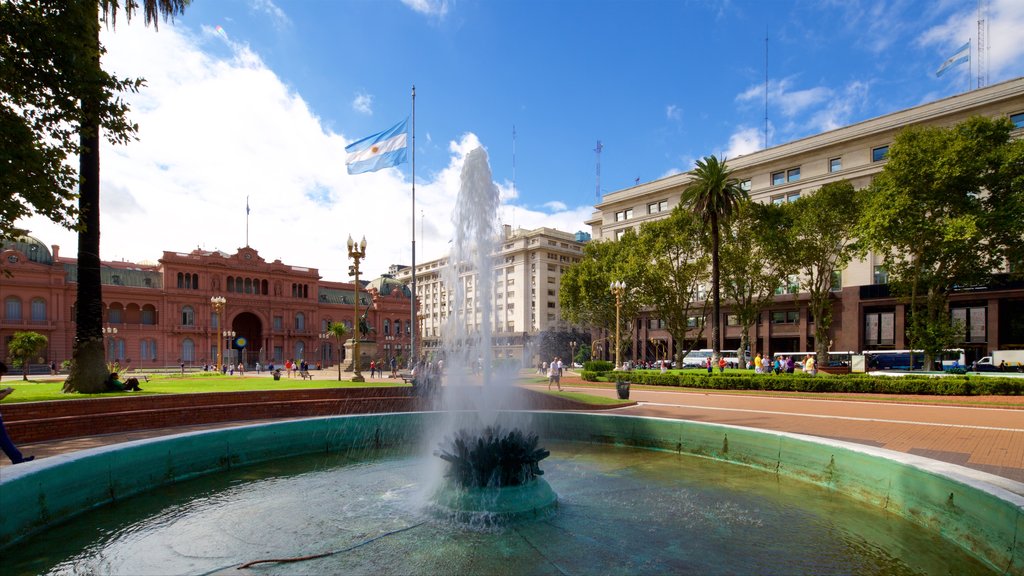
[182, 367]
[53, 368]
[553, 375]
[709, 365]
[810, 367]
[766, 364]
[777, 365]
[258, 367]
[394, 367]
[721, 364]
[241, 369]
[6, 444]
[757, 363]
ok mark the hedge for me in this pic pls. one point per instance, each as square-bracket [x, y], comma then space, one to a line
[855, 383]
[597, 366]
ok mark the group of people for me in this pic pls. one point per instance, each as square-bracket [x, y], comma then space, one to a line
[783, 364]
[377, 366]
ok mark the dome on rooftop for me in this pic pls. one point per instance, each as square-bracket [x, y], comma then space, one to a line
[386, 284]
[31, 247]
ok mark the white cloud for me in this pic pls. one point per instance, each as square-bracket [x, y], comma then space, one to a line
[556, 206]
[436, 8]
[744, 141]
[215, 130]
[363, 103]
[277, 16]
[782, 97]
[673, 112]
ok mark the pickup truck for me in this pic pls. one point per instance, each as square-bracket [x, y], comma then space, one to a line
[1014, 361]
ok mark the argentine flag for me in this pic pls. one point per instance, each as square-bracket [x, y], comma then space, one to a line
[962, 55]
[381, 150]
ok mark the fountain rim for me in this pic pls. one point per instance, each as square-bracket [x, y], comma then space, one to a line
[987, 510]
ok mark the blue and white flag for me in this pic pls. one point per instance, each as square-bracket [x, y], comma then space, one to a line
[959, 57]
[382, 150]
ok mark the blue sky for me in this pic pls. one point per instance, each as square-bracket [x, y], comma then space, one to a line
[263, 107]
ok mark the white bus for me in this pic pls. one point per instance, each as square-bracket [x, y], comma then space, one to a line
[900, 359]
[836, 358]
[699, 358]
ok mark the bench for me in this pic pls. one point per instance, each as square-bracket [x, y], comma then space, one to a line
[406, 377]
[305, 375]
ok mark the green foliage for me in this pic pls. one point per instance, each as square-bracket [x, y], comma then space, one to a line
[850, 383]
[670, 262]
[598, 366]
[823, 226]
[714, 196]
[945, 212]
[492, 458]
[23, 347]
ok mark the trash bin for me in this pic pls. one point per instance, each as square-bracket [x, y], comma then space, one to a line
[623, 389]
[277, 374]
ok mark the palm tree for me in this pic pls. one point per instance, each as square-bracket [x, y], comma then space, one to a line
[715, 196]
[338, 331]
[88, 370]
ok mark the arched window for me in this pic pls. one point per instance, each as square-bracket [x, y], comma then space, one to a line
[195, 281]
[181, 280]
[115, 314]
[387, 327]
[12, 308]
[231, 284]
[239, 285]
[188, 316]
[248, 285]
[266, 287]
[188, 350]
[325, 324]
[38, 310]
[300, 321]
[148, 315]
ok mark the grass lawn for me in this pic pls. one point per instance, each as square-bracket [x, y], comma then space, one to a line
[35, 391]
[585, 398]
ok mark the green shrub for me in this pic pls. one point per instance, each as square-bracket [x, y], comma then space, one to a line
[597, 366]
[589, 375]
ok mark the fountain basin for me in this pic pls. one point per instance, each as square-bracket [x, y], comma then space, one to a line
[981, 513]
[499, 505]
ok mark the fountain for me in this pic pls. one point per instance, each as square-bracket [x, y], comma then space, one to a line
[460, 489]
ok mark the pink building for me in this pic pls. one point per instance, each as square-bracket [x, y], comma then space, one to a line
[161, 314]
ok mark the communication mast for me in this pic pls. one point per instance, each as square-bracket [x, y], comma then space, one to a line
[597, 190]
[982, 43]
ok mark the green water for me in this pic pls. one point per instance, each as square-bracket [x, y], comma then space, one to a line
[621, 511]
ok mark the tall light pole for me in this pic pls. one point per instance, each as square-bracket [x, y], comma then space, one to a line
[228, 336]
[111, 331]
[618, 289]
[572, 359]
[356, 252]
[218, 308]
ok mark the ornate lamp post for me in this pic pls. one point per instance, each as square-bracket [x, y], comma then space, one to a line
[110, 331]
[228, 336]
[572, 358]
[218, 308]
[618, 289]
[356, 252]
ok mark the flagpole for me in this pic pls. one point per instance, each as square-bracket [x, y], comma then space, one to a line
[247, 221]
[412, 301]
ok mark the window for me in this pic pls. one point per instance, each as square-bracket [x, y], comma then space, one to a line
[732, 320]
[188, 316]
[38, 310]
[114, 315]
[278, 322]
[970, 323]
[147, 349]
[148, 316]
[778, 178]
[1017, 119]
[837, 281]
[115, 279]
[879, 154]
[387, 327]
[792, 285]
[619, 234]
[881, 274]
[188, 350]
[623, 215]
[300, 350]
[783, 176]
[835, 164]
[879, 329]
[785, 317]
[656, 207]
[784, 198]
[793, 174]
[300, 322]
[745, 185]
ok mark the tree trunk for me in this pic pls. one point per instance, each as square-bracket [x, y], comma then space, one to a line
[88, 370]
[716, 341]
[744, 345]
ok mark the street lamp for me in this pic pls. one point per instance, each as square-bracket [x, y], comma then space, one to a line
[218, 307]
[618, 289]
[356, 252]
[110, 331]
[228, 336]
[337, 341]
[572, 358]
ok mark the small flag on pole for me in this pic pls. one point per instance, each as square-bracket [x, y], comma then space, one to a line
[382, 150]
[246, 205]
[963, 54]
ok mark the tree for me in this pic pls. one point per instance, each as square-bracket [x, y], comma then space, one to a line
[945, 212]
[23, 347]
[584, 294]
[714, 195]
[752, 269]
[88, 371]
[823, 226]
[671, 263]
[338, 330]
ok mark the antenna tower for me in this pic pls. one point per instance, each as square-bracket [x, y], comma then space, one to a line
[597, 190]
[982, 43]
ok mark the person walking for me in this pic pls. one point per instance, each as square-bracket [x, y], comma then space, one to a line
[6, 444]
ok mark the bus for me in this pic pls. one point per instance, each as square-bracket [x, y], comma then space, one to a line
[837, 358]
[900, 359]
[699, 358]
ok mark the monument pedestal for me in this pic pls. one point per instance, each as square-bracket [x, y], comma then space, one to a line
[367, 352]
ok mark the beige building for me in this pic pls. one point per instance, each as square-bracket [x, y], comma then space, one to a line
[527, 268]
[865, 316]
